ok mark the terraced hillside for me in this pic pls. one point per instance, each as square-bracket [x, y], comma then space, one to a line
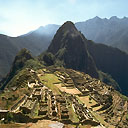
[62, 95]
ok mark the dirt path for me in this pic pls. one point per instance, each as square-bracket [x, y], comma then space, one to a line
[47, 124]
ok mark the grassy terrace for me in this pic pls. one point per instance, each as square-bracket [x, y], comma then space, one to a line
[49, 80]
[72, 114]
[127, 116]
[87, 100]
[35, 111]
[11, 97]
[96, 116]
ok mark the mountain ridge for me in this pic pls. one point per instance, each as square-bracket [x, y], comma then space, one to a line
[110, 31]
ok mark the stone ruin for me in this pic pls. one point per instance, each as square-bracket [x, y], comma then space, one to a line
[83, 113]
[28, 106]
[64, 77]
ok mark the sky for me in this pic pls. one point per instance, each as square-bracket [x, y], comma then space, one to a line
[18, 17]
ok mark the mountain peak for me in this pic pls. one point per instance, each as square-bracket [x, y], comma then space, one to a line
[114, 18]
[68, 24]
[97, 18]
[68, 27]
[20, 59]
[18, 63]
[66, 31]
[69, 46]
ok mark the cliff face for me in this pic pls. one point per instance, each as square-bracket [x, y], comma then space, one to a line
[69, 46]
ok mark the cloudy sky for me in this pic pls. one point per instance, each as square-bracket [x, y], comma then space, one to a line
[21, 16]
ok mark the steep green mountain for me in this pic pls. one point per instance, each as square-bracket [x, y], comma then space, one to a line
[19, 72]
[69, 46]
[18, 64]
[112, 61]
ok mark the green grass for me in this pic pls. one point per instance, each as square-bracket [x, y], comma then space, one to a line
[49, 80]
[127, 116]
[96, 116]
[33, 64]
[86, 100]
[72, 114]
[99, 118]
[21, 79]
[124, 97]
[35, 112]
[12, 97]
[84, 126]
[80, 102]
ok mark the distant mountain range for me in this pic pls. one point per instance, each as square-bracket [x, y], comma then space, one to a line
[113, 31]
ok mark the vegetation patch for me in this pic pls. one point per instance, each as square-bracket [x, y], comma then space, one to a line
[49, 80]
[127, 117]
[72, 114]
[10, 97]
[87, 101]
[33, 64]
